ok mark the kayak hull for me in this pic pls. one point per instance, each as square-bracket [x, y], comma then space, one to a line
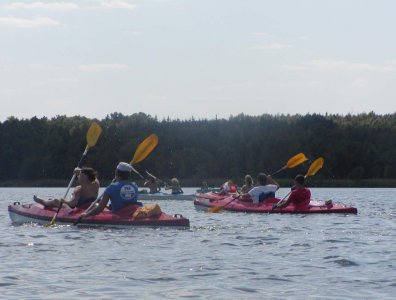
[165, 196]
[228, 203]
[36, 213]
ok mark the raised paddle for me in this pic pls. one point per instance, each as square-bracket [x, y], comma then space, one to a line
[313, 169]
[92, 137]
[291, 163]
[142, 151]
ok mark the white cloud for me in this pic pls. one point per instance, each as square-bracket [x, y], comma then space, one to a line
[342, 65]
[259, 34]
[68, 6]
[59, 6]
[28, 23]
[346, 65]
[237, 85]
[6, 92]
[274, 46]
[303, 38]
[280, 84]
[132, 32]
[102, 67]
[359, 83]
[116, 4]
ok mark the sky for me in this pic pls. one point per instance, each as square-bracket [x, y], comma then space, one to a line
[196, 58]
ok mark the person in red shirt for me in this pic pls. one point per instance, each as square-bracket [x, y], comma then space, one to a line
[300, 196]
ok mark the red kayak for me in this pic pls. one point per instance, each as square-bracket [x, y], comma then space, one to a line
[37, 213]
[210, 200]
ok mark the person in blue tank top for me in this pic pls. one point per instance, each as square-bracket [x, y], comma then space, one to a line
[121, 192]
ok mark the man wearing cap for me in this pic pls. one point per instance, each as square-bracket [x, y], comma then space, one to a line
[121, 192]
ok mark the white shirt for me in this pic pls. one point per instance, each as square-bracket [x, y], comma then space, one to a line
[258, 190]
[226, 187]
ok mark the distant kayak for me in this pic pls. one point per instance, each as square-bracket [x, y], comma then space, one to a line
[228, 203]
[208, 190]
[37, 213]
[165, 196]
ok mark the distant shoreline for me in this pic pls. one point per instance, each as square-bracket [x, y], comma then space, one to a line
[330, 183]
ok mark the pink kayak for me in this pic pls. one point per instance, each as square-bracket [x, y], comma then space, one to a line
[210, 200]
[37, 213]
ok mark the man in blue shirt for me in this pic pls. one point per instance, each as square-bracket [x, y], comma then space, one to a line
[121, 192]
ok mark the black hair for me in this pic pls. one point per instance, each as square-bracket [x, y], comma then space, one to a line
[300, 179]
[123, 175]
[262, 178]
[90, 173]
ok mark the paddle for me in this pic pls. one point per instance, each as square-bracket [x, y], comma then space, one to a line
[291, 163]
[142, 151]
[92, 137]
[219, 208]
[313, 169]
[151, 175]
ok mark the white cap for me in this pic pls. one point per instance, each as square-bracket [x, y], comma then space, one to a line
[124, 167]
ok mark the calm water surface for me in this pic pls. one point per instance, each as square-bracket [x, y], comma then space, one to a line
[222, 256]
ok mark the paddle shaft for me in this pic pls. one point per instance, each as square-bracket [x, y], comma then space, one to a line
[218, 208]
[70, 184]
[93, 203]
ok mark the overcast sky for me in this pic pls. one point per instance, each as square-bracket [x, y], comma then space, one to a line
[201, 58]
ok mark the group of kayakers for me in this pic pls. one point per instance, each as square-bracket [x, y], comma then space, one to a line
[154, 185]
[123, 192]
[265, 188]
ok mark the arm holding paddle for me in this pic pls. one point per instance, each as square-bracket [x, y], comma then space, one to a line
[92, 137]
[96, 208]
[301, 196]
[122, 191]
[262, 181]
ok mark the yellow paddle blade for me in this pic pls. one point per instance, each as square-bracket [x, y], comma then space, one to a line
[296, 160]
[93, 134]
[315, 166]
[215, 209]
[144, 149]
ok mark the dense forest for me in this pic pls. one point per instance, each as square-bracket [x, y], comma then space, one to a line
[355, 147]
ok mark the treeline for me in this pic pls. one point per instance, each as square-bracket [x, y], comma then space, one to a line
[356, 147]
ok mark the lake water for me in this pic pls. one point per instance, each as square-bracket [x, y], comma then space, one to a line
[222, 256]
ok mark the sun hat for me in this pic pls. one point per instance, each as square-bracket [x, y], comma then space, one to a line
[124, 167]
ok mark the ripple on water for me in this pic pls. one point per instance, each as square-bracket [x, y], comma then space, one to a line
[7, 283]
[245, 289]
[345, 262]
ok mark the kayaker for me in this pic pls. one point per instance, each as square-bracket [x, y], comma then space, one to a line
[248, 184]
[153, 184]
[175, 186]
[266, 188]
[84, 193]
[228, 187]
[121, 192]
[300, 195]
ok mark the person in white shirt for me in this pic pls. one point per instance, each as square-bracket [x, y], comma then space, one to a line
[266, 188]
